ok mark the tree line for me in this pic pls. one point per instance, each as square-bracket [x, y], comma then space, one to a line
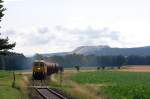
[92, 60]
[14, 61]
[9, 60]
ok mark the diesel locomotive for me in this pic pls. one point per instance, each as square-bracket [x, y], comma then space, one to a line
[41, 69]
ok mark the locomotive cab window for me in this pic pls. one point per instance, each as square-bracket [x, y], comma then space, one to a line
[41, 64]
[36, 64]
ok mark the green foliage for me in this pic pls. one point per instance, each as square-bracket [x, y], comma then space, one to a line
[1, 10]
[135, 60]
[103, 67]
[4, 44]
[98, 68]
[89, 60]
[98, 61]
[119, 85]
[13, 62]
[77, 68]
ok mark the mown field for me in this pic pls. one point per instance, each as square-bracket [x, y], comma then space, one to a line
[6, 90]
[115, 84]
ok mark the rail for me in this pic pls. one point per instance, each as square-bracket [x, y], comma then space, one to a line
[48, 93]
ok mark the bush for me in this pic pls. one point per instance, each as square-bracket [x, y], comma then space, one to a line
[77, 68]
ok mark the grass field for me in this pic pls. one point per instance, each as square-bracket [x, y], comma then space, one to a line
[6, 90]
[117, 85]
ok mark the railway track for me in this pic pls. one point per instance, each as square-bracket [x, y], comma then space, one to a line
[40, 90]
[48, 93]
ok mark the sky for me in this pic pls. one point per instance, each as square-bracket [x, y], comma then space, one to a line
[49, 26]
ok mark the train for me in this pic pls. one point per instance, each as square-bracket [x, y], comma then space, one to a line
[41, 69]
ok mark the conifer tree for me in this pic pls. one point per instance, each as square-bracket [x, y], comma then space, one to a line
[4, 42]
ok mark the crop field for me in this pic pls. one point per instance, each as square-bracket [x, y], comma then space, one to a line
[117, 84]
[6, 90]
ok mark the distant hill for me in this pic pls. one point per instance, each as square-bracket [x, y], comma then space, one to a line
[55, 54]
[99, 56]
[105, 51]
[90, 50]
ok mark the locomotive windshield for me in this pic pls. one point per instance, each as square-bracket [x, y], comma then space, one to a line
[38, 64]
[41, 64]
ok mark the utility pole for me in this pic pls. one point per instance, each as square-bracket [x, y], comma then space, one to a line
[61, 75]
[60, 78]
[14, 79]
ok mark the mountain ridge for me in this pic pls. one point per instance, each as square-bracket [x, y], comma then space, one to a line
[104, 50]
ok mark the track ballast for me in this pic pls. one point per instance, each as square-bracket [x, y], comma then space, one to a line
[48, 93]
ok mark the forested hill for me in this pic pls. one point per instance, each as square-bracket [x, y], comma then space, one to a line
[13, 61]
[105, 51]
[100, 56]
[72, 60]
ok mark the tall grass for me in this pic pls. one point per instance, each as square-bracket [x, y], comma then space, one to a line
[6, 90]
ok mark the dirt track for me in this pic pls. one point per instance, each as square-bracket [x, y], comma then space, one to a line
[135, 68]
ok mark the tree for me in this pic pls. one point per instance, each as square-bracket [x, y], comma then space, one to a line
[1, 10]
[147, 58]
[4, 44]
[105, 60]
[77, 68]
[103, 67]
[136, 60]
[118, 61]
[98, 68]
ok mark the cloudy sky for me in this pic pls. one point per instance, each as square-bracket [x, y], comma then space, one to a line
[45, 26]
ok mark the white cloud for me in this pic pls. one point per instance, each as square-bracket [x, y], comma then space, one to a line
[11, 1]
[79, 22]
[42, 40]
[59, 38]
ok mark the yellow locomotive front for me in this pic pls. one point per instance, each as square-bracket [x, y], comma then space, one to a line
[39, 70]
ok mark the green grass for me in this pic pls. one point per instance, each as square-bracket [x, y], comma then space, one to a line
[6, 90]
[4, 74]
[118, 85]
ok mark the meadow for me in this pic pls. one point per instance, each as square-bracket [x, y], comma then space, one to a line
[6, 89]
[117, 84]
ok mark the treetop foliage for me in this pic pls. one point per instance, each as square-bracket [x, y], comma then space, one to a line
[4, 44]
[1, 10]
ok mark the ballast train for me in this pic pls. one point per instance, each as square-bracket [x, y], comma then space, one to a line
[42, 69]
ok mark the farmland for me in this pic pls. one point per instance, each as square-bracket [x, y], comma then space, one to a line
[116, 84]
[88, 83]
